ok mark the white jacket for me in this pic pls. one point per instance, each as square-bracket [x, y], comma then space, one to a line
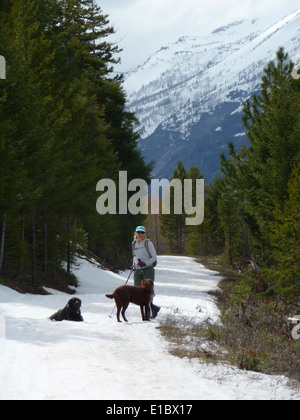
[140, 251]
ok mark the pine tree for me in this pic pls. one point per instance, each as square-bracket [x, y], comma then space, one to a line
[231, 205]
[285, 236]
[173, 225]
[63, 127]
[196, 240]
[30, 141]
[272, 121]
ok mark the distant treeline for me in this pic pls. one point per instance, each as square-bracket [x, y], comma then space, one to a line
[252, 208]
[63, 126]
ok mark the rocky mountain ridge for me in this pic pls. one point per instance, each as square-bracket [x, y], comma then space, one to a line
[188, 96]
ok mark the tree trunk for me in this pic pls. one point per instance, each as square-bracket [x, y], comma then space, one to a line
[69, 247]
[45, 247]
[34, 255]
[23, 241]
[2, 242]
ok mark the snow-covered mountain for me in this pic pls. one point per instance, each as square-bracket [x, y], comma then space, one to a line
[188, 96]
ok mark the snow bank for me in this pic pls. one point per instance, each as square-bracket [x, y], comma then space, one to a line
[102, 359]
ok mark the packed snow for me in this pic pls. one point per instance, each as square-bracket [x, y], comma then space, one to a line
[103, 359]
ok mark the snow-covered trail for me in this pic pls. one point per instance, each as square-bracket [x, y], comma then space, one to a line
[102, 359]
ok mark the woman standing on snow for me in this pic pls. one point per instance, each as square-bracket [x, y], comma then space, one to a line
[144, 261]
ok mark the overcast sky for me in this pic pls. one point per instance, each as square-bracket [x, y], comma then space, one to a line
[144, 26]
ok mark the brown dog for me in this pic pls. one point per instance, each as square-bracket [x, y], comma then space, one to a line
[141, 296]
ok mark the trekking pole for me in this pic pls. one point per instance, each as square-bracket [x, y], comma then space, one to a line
[110, 316]
[132, 270]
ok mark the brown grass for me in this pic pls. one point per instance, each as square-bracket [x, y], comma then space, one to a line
[254, 335]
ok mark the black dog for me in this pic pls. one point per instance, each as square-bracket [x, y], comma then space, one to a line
[70, 313]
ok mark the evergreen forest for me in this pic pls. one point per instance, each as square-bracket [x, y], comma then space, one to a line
[63, 127]
[252, 208]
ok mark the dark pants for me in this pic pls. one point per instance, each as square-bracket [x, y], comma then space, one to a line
[145, 273]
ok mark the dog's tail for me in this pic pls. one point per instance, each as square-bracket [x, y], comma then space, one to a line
[110, 296]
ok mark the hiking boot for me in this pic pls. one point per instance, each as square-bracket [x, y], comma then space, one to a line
[155, 310]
